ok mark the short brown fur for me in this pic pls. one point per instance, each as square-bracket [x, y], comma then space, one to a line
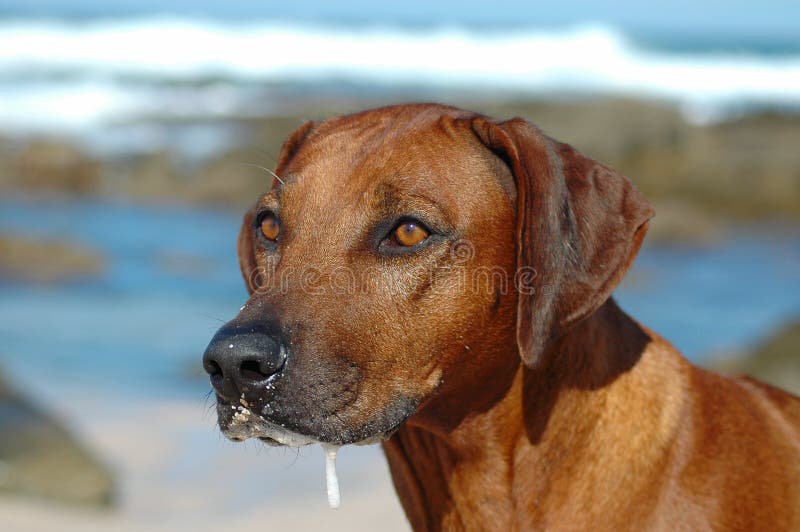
[547, 408]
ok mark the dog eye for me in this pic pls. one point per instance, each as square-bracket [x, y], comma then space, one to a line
[409, 233]
[270, 227]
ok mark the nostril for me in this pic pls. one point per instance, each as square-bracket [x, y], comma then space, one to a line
[213, 369]
[251, 370]
[215, 372]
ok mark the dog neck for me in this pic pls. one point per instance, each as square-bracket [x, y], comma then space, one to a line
[550, 433]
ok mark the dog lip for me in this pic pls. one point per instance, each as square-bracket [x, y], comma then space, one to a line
[238, 423]
[241, 423]
[274, 435]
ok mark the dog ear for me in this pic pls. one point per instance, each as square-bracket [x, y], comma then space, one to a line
[245, 243]
[579, 226]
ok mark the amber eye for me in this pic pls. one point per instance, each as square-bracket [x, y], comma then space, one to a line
[270, 227]
[409, 234]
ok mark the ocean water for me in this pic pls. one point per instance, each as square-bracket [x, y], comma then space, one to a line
[78, 66]
[172, 279]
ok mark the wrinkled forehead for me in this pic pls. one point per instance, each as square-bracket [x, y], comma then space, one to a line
[386, 157]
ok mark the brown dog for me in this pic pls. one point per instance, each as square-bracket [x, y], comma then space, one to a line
[434, 278]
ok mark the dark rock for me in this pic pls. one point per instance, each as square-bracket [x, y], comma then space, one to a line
[776, 360]
[46, 261]
[40, 458]
[55, 165]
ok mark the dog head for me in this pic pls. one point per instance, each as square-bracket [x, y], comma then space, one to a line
[406, 253]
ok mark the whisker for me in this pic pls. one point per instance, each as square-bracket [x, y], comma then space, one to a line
[296, 451]
[270, 172]
[208, 406]
[209, 316]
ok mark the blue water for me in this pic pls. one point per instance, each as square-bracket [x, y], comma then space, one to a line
[86, 66]
[709, 21]
[141, 327]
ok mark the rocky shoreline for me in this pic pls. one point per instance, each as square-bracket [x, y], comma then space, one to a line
[700, 178]
[47, 261]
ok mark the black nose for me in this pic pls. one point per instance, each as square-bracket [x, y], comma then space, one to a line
[241, 357]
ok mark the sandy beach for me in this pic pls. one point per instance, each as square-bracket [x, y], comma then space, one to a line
[176, 472]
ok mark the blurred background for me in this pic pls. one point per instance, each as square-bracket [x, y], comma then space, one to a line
[130, 138]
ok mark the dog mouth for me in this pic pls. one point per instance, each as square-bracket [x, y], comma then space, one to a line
[239, 422]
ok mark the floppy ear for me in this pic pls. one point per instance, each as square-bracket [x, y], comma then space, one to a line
[245, 244]
[579, 226]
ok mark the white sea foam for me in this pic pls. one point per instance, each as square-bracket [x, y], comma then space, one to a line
[95, 71]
